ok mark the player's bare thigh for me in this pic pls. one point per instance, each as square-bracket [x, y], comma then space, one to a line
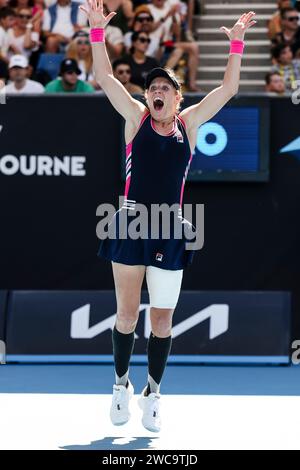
[128, 284]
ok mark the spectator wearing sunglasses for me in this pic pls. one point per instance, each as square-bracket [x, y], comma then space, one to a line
[36, 7]
[80, 50]
[122, 72]
[69, 81]
[22, 39]
[139, 62]
[290, 33]
[274, 24]
[143, 21]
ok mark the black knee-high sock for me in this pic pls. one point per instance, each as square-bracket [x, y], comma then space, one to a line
[158, 352]
[122, 347]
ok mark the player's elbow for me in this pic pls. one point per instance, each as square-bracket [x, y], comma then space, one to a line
[232, 90]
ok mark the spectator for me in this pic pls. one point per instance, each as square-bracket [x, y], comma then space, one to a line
[286, 66]
[274, 24]
[36, 11]
[80, 50]
[189, 20]
[7, 18]
[61, 21]
[167, 27]
[122, 72]
[22, 39]
[18, 4]
[4, 3]
[143, 21]
[290, 33]
[274, 83]
[69, 82]
[139, 63]
[18, 73]
[124, 10]
[165, 14]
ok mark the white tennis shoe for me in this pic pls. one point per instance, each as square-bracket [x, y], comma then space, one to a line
[150, 405]
[119, 410]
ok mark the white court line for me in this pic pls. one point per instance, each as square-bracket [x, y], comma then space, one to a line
[52, 421]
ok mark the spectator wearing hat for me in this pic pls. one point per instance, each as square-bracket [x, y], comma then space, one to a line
[18, 73]
[69, 81]
[143, 21]
[122, 71]
[60, 22]
[80, 50]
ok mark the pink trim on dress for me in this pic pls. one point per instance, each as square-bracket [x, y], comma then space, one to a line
[128, 150]
[127, 185]
[128, 155]
[184, 179]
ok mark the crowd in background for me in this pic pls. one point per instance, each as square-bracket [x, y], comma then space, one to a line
[284, 35]
[45, 47]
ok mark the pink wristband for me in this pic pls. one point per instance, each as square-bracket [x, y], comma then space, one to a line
[97, 35]
[236, 47]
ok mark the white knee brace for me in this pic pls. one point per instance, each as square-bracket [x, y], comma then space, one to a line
[163, 286]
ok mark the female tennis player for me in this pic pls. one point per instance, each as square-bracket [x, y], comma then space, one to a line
[160, 142]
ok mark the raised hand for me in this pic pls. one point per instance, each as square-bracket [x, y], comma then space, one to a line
[238, 30]
[94, 11]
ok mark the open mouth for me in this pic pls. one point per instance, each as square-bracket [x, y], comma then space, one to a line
[158, 104]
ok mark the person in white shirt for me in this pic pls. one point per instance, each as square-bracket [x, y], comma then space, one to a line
[166, 13]
[19, 83]
[7, 18]
[61, 21]
[22, 39]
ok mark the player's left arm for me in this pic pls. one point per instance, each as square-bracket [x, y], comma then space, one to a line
[199, 113]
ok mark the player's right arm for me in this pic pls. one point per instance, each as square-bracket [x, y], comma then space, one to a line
[132, 110]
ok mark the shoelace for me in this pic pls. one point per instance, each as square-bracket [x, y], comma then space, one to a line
[154, 408]
[117, 396]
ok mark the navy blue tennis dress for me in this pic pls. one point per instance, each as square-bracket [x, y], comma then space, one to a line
[156, 170]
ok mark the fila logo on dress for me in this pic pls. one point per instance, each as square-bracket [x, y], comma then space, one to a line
[179, 136]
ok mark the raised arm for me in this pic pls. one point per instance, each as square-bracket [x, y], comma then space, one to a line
[131, 109]
[201, 112]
